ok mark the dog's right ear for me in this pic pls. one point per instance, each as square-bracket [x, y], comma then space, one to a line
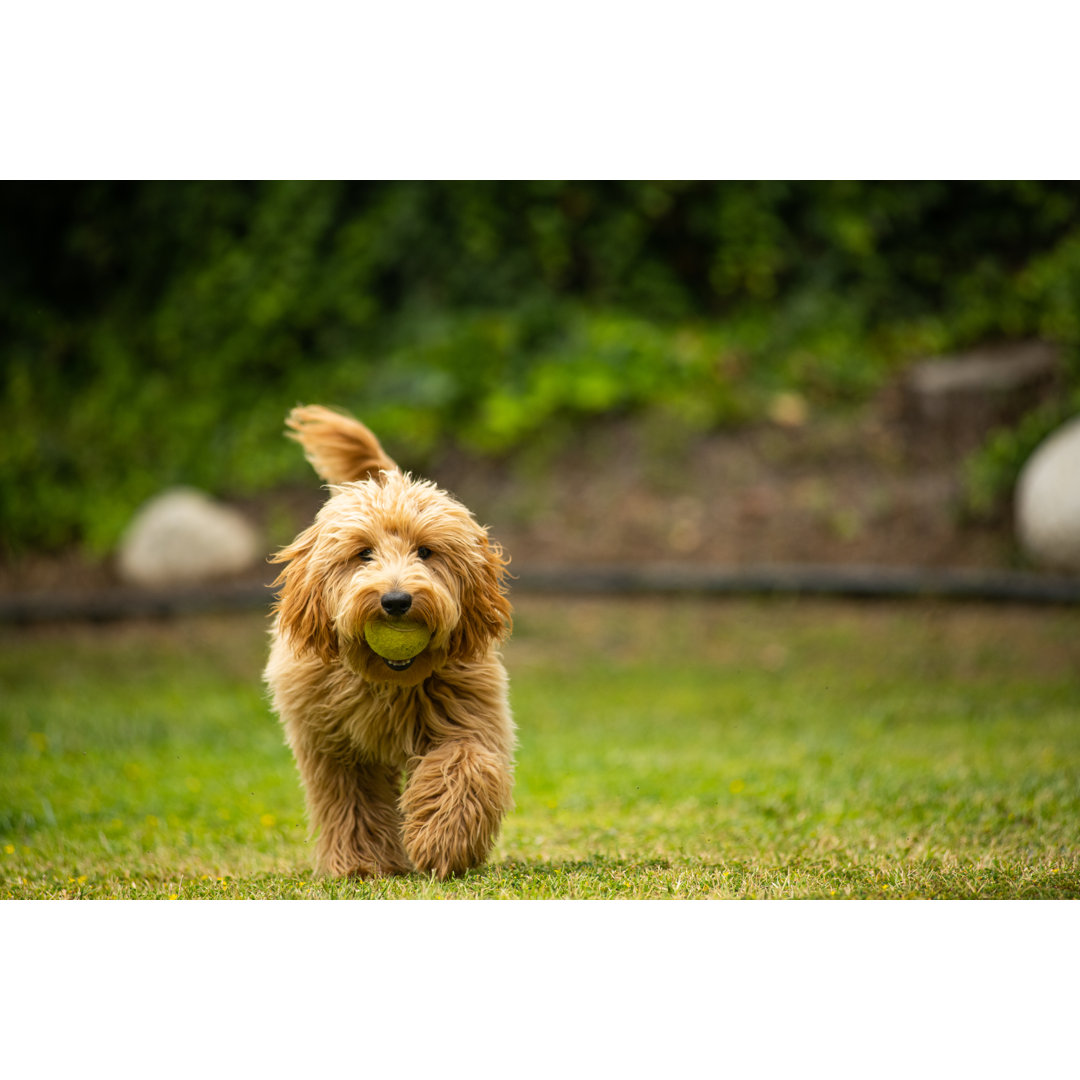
[301, 606]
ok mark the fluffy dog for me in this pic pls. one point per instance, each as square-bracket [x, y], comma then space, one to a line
[405, 763]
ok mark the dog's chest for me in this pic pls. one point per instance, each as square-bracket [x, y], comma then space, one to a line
[388, 727]
[340, 714]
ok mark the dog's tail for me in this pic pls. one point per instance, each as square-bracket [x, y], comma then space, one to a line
[339, 448]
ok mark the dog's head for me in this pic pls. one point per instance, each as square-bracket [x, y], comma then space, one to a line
[392, 546]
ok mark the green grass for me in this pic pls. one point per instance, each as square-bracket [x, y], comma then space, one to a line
[668, 749]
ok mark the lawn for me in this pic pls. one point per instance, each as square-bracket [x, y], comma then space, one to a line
[668, 749]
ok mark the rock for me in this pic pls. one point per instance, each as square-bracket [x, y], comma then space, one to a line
[950, 404]
[183, 537]
[1048, 500]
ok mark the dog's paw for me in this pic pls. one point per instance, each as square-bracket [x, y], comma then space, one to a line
[453, 805]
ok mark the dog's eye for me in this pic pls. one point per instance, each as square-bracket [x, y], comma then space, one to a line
[366, 555]
[423, 553]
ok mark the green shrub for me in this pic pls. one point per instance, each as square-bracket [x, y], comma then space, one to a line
[156, 333]
[990, 474]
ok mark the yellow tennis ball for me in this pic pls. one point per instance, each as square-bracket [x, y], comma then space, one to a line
[399, 639]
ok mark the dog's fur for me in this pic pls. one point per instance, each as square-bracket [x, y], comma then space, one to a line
[401, 769]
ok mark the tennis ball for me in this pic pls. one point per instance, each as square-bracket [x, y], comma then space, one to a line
[397, 639]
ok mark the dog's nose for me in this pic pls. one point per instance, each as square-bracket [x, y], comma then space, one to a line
[396, 602]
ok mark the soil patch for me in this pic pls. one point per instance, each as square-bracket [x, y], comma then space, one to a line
[830, 490]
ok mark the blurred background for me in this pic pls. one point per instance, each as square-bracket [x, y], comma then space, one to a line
[722, 373]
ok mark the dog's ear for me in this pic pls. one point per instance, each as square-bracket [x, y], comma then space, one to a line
[300, 605]
[486, 613]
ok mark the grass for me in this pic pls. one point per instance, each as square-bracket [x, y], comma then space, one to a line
[668, 749]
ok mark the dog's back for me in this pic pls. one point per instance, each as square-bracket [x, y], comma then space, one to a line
[339, 448]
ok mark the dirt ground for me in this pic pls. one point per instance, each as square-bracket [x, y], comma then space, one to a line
[829, 492]
[853, 489]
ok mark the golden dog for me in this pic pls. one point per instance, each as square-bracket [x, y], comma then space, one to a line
[405, 763]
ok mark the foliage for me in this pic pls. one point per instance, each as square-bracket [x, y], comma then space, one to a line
[690, 749]
[991, 473]
[156, 333]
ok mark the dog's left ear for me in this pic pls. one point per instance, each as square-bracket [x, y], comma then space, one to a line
[486, 613]
[300, 606]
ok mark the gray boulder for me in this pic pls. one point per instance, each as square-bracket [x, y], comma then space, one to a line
[1048, 501]
[183, 537]
[950, 403]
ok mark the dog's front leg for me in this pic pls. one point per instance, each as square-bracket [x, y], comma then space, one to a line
[454, 800]
[353, 809]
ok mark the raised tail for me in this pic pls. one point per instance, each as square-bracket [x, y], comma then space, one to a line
[339, 448]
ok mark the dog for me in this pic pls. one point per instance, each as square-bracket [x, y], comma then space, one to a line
[406, 764]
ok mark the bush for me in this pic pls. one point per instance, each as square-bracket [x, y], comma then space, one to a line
[157, 333]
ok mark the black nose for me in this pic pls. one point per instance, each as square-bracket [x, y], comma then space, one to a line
[396, 602]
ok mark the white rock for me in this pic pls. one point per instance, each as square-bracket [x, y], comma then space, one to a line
[1048, 500]
[182, 537]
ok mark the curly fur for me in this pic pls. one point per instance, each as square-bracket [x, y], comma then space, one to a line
[401, 769]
